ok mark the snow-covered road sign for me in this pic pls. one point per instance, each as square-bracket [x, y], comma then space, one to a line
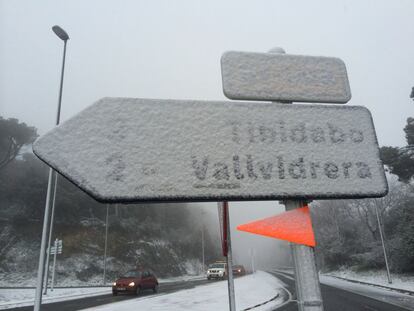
[131, 150]
[284, 77]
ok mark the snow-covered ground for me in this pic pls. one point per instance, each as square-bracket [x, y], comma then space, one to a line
[18, 279]
[250, 290]
[19, 297]
[379, 277]
[11, 298]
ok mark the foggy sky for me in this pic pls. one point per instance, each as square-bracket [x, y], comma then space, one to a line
[172, 49]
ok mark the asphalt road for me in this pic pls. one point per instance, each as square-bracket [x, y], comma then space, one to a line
[83, 303]
[335, 299]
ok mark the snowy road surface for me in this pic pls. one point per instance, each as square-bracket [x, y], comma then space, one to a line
[250, 290]
[211, 295]
[341, 295]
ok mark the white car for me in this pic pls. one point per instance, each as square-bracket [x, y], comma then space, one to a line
[217, 271]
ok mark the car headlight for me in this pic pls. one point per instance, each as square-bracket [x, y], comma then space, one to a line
[114, 284]
[131, 284]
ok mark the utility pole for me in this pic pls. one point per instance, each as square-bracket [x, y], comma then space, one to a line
[383, 245]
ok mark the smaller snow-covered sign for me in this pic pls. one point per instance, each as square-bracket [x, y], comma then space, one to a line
[57, 245]
[135, 150]
[284, 77]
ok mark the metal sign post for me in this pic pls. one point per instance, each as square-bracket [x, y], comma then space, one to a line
[307, 284]
[306, 275]
[223, 208]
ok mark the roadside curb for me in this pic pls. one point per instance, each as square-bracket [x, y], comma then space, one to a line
[261, 304]
[400, 290]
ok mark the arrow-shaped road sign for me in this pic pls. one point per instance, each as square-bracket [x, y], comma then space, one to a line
[134, 150]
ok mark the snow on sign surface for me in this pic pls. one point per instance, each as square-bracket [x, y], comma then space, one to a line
[131, 150]
[284, 77]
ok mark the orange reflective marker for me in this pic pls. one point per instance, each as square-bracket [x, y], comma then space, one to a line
[294, 226]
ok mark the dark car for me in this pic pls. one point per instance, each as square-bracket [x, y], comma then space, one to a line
[238, 270]
[135, 281]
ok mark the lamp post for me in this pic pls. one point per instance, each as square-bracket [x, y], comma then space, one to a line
[106, 244]
[52, 175]
[52, 217]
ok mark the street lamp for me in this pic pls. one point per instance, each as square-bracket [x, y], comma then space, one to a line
[60, 33]
[63, 36]
[52, 176]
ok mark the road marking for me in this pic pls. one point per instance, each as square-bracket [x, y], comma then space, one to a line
[287, 291]
[287, 301]
[261, 304]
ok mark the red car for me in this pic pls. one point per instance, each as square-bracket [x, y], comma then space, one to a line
[238, 270]
[135, 281]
